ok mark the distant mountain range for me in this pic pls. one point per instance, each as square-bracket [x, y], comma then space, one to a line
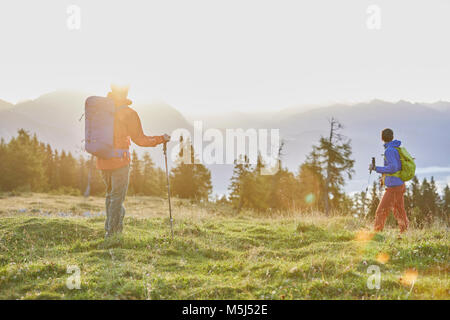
[423, 129]
[56, 118]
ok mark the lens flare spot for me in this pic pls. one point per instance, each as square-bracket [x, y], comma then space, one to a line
[382, 257]
[409, 277]
[309, 198]
[364, 235]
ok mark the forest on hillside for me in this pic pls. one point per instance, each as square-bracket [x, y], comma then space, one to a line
[29, 165]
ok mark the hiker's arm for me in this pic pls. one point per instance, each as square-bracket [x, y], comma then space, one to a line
[137, 135]
[392, 161]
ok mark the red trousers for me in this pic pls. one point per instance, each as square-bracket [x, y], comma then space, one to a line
[392, 198]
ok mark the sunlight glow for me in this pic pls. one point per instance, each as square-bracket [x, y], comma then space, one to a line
[382, 257]
[364, 235]
[409, 277]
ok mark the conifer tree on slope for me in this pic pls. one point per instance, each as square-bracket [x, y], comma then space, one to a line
[190, 180]
[24, 163]
[332, 156]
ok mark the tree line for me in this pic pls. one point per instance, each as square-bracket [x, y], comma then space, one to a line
[318, 185]
[31, 165]
[423, 203]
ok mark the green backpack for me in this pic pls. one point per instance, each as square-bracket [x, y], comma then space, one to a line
[408, 169]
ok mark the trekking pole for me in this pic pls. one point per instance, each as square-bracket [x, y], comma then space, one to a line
[368, 184]
[168, 188]
[370, 174]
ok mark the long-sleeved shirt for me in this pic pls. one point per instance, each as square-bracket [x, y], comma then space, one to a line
[127, 126]
[392, 164]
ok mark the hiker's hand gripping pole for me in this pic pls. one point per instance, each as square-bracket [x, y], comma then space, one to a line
[168, 187]
[371, 168]
[372, 165]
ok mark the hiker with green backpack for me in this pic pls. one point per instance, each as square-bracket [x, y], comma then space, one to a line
[398, 167]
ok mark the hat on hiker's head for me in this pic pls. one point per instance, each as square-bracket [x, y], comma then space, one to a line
[119, 91]
[119, 94]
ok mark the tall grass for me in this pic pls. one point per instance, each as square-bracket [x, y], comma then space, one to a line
[216, 253]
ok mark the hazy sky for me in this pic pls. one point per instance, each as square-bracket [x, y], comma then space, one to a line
[229, 54]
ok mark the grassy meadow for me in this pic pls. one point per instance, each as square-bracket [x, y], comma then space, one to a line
[216, 254]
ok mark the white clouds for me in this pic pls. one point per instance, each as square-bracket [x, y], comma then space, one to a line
[441, 184]
[439, 173]
[431, 170]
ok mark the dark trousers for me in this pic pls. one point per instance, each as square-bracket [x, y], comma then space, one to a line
[116, 182]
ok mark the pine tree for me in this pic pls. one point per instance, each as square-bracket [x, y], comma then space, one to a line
[427, 204]
[237, 188]
[56, 178]
[435, 200]
[3, 161]
[333, 158]
[136, 179]
[416, 196]
[49, 166]
[359, 201]
[311, 182]
[68, 171]
[202, 182]
[151, 177]
[83, 175]
[190, 180]
[445, 209]
[283, 186]
[425, 193]
[24, 164]
[284, 190]
[162, 181]
[260, 189]
[97, 184]
[374, 200]
[41, 180]
[408, 199]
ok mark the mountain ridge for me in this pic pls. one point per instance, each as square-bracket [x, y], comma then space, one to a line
[423, 127]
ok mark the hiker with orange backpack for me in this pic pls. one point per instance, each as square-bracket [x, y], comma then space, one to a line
[398, 167]
[110, 124]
